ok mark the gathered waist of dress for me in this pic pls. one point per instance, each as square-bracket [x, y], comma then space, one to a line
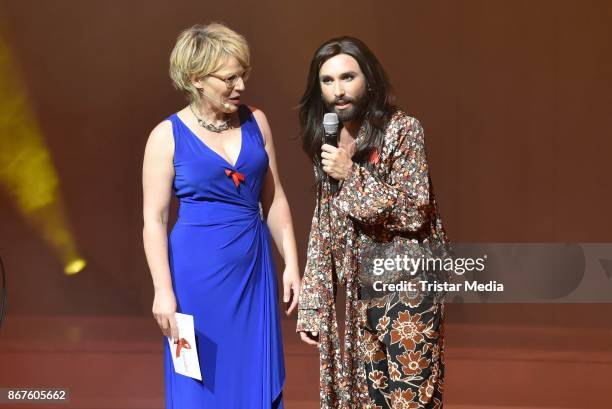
[209, 213]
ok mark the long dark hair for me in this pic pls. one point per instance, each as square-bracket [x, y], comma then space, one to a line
[377, 108]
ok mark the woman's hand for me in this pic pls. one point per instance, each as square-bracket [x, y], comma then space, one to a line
[164, 307]
[336, 162]
[291, 282]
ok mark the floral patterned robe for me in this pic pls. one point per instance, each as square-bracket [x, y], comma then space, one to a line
[392, 201]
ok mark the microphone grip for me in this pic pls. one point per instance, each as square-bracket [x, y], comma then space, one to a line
[332, 139]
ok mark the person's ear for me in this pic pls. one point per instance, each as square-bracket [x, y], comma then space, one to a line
[197, 82]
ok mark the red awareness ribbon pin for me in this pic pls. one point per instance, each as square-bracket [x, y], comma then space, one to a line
[374, 157]
[181, 343]
[237, 177]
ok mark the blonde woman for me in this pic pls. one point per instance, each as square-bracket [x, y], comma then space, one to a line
[217, 156]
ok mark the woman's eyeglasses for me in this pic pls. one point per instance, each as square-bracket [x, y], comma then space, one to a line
[231, 80]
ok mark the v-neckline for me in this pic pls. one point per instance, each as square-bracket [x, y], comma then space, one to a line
[211, 149]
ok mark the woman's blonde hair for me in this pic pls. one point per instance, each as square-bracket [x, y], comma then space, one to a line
[201, 50]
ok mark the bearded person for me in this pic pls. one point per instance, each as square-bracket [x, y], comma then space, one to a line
[373, 189]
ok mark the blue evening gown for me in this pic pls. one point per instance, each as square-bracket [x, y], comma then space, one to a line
[223, 274]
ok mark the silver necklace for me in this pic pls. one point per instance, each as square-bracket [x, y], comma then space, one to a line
[217, 129]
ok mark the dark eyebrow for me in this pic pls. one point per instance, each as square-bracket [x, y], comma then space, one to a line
[343, 75]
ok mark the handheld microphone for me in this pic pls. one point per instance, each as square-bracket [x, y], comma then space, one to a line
[330, 124]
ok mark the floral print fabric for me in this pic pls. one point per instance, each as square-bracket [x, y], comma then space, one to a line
[404, 353]
[393, 347]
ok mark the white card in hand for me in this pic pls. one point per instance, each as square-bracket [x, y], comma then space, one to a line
[184, 353]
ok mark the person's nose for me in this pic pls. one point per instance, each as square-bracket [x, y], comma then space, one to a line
[338, 90]
[240, 86]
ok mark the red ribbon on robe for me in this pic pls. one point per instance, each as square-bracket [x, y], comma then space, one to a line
[237, 177]
[181, 343]
[374, 157]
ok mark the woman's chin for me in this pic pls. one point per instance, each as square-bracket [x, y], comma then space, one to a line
[230, 107]
[234, 102]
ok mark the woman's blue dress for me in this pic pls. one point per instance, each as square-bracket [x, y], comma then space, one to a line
[223, 274]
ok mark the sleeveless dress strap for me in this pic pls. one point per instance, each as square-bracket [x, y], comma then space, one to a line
[247, 120]
[176, 135]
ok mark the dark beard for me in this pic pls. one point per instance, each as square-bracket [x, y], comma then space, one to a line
[350, 114]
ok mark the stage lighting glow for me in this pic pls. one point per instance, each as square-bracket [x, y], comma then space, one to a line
[27, 172]
[75, 266]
